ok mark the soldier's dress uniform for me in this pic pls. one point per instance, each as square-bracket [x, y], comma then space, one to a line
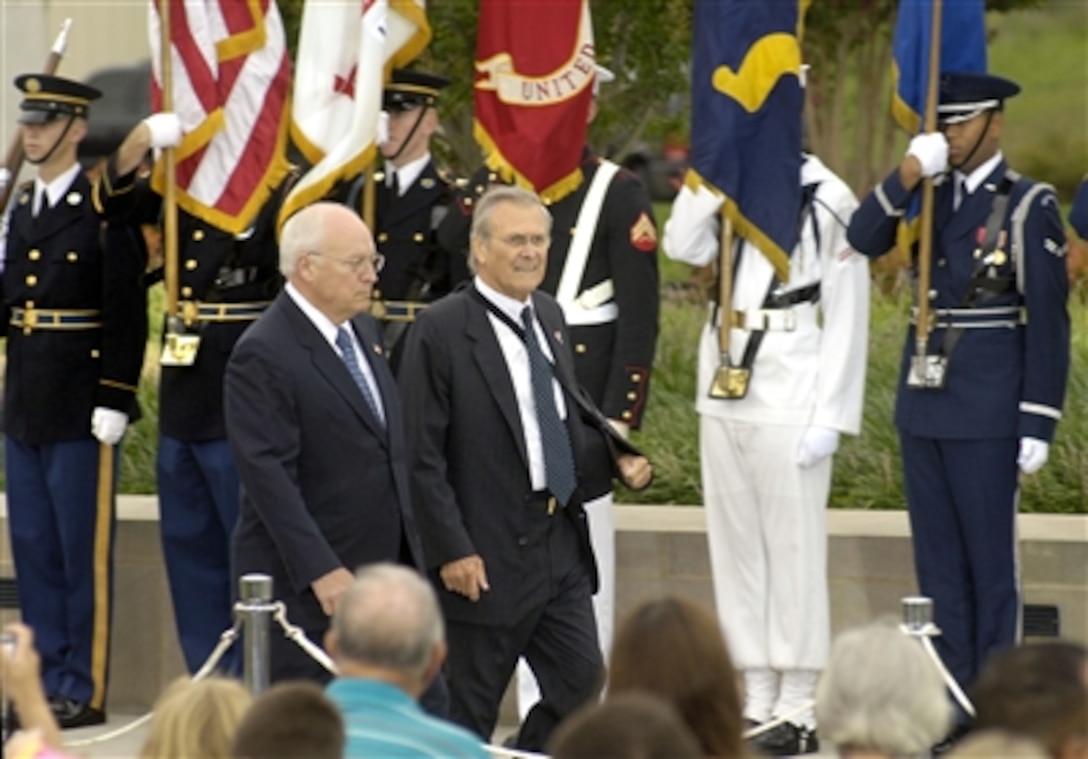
[225, 282]
[613, 321]
[1078, 214]
[76, 327]
[766, 513]
[411, 201]
[1005, 381]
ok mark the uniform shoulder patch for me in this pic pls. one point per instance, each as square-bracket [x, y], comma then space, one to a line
[643, 233]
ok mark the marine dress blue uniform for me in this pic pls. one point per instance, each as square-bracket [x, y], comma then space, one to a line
[999, 302]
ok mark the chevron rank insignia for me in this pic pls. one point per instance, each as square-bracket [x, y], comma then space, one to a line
[643, 233]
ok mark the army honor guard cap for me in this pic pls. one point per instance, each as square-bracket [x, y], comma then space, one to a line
[964, 95]
[47, 97]
[408, 89]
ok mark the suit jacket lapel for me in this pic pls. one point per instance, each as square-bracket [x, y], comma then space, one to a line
[489, 356]
[329, 365]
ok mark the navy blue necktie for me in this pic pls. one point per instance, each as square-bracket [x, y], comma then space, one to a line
[347, 353]
[558, 458]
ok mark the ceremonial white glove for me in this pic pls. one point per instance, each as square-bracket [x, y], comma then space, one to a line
[165, 130]
[931, 150]
[816, 445]
[108, 425]
[382, 135]
[1033, 454]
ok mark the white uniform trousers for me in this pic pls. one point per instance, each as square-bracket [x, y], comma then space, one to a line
[767, 529]
[602, 536]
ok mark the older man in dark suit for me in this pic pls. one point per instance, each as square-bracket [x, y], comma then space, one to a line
[503, 528]
[315, 427]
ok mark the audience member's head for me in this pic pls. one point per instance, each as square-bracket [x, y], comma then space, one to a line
[673, 648]
[628, 726]
[1039, 690]
[388, 627]
[996, 744]
[289, 720]
[196, 718]
[881, 694]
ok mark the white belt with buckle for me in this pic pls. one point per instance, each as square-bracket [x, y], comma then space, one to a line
[766, 319]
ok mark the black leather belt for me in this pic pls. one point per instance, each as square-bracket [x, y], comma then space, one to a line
[545, 499]
[806, 294]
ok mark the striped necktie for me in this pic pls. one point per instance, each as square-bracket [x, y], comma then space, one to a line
[347, 353]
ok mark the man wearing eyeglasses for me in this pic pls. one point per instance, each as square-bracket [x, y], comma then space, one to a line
[504, 530]
[315, 427]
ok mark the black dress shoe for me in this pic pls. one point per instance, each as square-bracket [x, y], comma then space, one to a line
[786, 739]
[71, 713]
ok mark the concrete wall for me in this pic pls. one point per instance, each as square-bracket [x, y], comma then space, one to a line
[660, 549]
[104, 33]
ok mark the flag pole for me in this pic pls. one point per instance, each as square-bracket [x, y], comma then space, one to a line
[170, 207]
[925, 236]
[729, 381]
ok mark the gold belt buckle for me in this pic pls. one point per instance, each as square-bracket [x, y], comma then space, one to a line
[730, 382]
[551, 505]
[30, 320]
[179, 348]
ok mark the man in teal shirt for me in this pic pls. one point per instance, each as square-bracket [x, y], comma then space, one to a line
[388, 640]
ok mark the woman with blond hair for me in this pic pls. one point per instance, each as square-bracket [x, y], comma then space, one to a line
[196, 718]
[673, 648]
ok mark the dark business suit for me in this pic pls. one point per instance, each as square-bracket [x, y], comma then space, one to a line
[324, 483]
[472, 495]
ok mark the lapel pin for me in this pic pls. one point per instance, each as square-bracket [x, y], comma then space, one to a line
[427, 183]
[558, 337]
[24, 198]
[74, 198]
[377, 349]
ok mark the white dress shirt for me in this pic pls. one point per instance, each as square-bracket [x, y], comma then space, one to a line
[517, 362]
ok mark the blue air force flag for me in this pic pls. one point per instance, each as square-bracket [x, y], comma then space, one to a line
[963, 48]
[746, 117]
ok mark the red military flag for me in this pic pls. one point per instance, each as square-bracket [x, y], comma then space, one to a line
[533, 89]
[230, 73]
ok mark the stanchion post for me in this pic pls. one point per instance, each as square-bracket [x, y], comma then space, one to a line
[918, 615]
[256, 608]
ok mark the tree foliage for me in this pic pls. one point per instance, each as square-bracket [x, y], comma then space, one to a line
[647, 43]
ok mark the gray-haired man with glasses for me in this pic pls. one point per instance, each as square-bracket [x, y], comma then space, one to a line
[315, 426]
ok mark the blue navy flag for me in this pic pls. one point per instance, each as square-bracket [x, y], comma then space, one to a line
[746, 117]
[963, 48]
